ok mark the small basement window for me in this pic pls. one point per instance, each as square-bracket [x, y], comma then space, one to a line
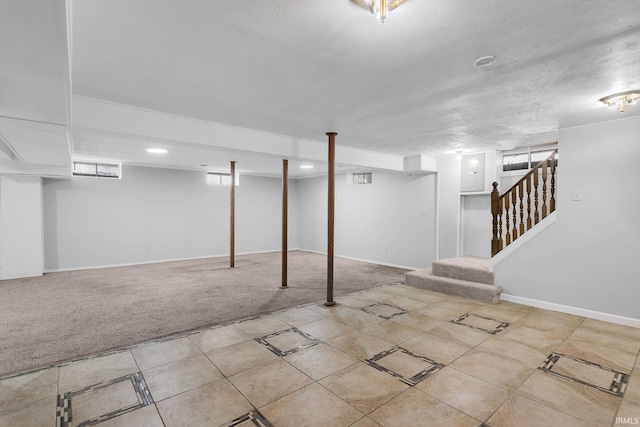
[217, 178]
[513, 162]
[538, 156]
[101, 170]
[362, 178]
[525, 160]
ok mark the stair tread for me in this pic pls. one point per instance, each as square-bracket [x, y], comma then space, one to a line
[475, 263]
[464, 268]
[474, 290]
[427, 273]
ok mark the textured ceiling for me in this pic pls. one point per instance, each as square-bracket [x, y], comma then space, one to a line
[408, 86]
[34, 61]
[260, 80]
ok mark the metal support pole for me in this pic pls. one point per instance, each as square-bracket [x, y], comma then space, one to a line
[285, 221]
[232, 237]
[330, 217]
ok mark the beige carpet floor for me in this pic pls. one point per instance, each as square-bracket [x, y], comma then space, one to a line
[64, 316]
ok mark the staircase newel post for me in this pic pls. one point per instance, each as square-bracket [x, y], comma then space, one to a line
[495, 241]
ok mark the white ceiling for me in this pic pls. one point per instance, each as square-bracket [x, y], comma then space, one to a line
[34, 72]
[294, 70]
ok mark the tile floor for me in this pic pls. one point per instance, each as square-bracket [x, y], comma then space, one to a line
[391, 356]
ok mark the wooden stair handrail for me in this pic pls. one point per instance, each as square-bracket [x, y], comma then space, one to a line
[511, 203]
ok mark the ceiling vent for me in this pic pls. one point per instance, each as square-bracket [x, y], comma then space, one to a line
[485, 61]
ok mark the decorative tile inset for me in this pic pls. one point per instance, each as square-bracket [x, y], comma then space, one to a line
[253, 418]
[384, 310]
[63, 410]
[480, 323]
[64, 413]
[422, 364]
[289, 341]
[586, 373]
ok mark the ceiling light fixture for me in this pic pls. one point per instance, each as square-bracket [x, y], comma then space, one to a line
[156, 150]
[379, 8]
[621, 100]
[306, 166]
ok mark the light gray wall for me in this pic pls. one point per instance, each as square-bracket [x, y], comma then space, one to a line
[154, 214]
[259, 214]
[449, 205]
[589, 258]
[465, 218]
[21, 246]
[391, 221]
[476, 225]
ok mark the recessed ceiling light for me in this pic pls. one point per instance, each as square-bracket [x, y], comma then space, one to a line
[156, 150]
[485, 61]
[306, 166]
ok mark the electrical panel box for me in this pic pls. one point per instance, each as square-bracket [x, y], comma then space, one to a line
[472, 170]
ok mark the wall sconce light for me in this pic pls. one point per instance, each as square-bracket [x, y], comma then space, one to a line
[622, 99]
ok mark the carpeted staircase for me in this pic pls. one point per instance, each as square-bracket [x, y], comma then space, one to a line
[468, 277]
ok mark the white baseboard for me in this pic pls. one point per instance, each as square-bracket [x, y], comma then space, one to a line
[129, 264]
[597, 315]
[387, 264]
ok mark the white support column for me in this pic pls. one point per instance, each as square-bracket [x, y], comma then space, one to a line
[21, 229]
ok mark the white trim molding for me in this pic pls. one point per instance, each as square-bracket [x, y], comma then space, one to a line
[386, 264]
[576, 311]
[96, 267]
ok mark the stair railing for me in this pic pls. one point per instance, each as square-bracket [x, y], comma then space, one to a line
[513, 212]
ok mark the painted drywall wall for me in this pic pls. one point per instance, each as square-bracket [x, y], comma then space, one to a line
[463, 227]
[391, 221]
[154, 214]
[476, 225]
[21, 247]
[259, 214]
[449, 205]
[589, 257]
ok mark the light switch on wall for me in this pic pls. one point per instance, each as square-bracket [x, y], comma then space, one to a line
[576, 195]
